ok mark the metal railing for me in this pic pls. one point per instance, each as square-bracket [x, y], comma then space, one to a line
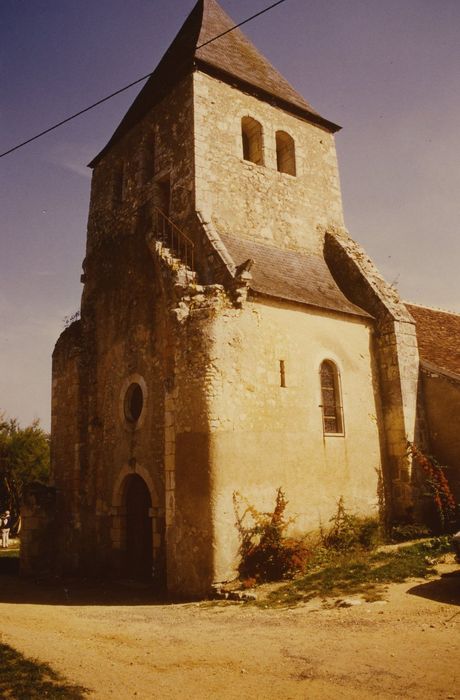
[172, 237]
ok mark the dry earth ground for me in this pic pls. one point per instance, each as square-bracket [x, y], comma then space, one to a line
[126, 647]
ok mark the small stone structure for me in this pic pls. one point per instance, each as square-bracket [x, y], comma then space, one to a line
[233, 337]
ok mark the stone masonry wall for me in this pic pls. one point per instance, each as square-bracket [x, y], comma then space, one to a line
[38, 531]
[188, 311]
[257, 201]
[124, 339]
[396, 353]
[67, 410]
[159, 147]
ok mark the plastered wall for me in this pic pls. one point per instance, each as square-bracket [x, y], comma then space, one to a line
[264, 436]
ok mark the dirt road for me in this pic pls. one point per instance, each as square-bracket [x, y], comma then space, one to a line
[406, 647]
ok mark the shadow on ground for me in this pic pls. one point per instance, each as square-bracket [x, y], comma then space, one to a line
[72, 591]
[23, 678]
[445, 589]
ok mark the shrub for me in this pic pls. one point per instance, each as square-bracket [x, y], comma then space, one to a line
[349, 531]
[266, 553]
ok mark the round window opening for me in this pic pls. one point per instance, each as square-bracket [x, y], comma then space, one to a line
[134, 403]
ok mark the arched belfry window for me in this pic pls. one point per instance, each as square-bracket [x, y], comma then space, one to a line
[285, 153]
[331, 399]
[252, 137]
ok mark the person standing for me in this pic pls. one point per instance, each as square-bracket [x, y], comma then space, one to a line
[5, 529]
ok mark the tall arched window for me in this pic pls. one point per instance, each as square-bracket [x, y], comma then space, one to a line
[331, 399]
[285, 153]
[252, 138]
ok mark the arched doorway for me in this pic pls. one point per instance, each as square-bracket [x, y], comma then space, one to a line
[139, 540]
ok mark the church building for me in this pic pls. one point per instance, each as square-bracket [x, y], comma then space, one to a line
[233, 337]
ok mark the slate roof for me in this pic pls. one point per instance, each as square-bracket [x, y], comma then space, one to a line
[231, 58]
[438, 335]
[237, 57]
[290, 275]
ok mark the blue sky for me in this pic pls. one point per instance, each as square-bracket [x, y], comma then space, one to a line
[388, 72]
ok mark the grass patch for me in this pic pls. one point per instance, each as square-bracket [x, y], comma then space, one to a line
[360, 572]
[27, 679]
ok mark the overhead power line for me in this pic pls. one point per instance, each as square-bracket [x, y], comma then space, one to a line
[130, 85]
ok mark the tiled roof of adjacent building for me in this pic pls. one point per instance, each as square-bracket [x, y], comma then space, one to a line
[232, 58]
[438, 335]
[290, 275]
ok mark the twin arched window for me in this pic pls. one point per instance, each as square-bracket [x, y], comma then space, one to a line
[253, 146]
[331, 399]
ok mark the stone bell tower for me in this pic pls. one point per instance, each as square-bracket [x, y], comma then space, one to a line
[205, 281]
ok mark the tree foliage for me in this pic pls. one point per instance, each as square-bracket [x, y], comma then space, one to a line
[24, 457]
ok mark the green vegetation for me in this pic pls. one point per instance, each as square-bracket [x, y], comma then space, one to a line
[360, 572]
[26, 679]
[344, 559]
[24, 458]
[268, 554]
[350, 532]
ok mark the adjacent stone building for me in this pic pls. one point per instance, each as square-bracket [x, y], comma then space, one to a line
[233, 337]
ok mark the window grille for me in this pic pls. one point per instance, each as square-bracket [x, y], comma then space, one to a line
[330, 395]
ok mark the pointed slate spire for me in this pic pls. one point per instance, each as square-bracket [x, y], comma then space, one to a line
[235, 56]
[232, 58]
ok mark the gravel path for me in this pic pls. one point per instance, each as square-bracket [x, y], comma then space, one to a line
[405, 647]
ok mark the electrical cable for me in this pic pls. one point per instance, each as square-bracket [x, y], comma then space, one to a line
[130, 85]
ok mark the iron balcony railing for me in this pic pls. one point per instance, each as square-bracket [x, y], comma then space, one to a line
[173, 238]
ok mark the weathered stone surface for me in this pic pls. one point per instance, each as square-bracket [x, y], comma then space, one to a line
[396, 356]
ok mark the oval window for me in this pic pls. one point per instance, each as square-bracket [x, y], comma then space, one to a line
[134, 403]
